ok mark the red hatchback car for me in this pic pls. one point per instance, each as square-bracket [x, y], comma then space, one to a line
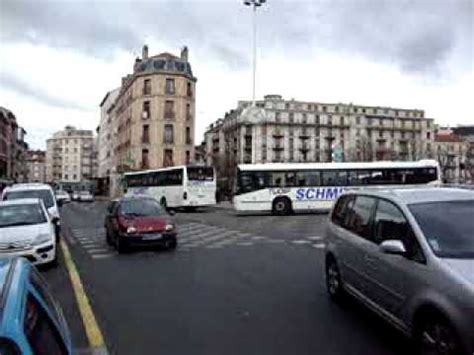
[139, 221]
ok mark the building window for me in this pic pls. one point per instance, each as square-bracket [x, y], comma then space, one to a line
[291, 117]
[146, 110]
[336, 109]
[145, 163]
[305, 118]
[170, 87]
[428, 135]
[168, 134]
[75, 177]
[189, 115]
[189, 90]
[188, 136]
[146, 134]
[147, 87]
[66, 176]
[342, 120]
[169, 109]
[325, 109]
[188, 157]
[317, 119]
[277, 116]
[168, 157]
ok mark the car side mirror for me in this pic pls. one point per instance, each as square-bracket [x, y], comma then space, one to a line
[392, 246]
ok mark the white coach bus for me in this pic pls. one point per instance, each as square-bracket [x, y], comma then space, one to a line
[179, 186]
[281, 188]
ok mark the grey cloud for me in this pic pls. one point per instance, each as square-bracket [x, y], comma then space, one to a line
[416, 35]
[11, 82]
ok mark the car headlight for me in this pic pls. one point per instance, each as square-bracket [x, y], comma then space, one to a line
[42, 238]
[131, 230]
[169, 227]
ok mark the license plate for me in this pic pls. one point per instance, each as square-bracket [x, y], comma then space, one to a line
[152, 236]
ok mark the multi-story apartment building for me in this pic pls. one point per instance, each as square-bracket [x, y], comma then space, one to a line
[278, 130]
[106, 134]
[452, 153]
[155, 113]
[12, 148]
[36, 164]
[70, 156]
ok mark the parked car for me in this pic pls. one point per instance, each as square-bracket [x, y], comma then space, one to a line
[31, 321]
[35, 190]
[26, 229]
[75, 196]
[139, 220]
[63, 197]
[408, 254]
[85, 196]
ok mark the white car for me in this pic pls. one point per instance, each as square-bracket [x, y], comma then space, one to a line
[27, 230]
[86, 196]
[35, 190]
[62, 196]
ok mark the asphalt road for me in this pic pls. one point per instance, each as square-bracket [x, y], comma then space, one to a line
[235, 285]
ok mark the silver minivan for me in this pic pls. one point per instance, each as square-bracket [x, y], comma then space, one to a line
[408, 254]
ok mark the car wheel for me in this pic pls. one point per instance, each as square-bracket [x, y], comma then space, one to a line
[172, 244]
[334, 285]
[435, 335]
[108, 239]
[120, 245]
[281, 206]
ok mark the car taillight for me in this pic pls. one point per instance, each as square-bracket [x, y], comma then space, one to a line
[185, 195]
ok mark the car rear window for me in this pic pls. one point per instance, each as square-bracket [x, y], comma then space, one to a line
[44, 195]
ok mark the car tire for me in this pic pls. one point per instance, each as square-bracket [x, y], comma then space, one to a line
[334, 285]
[53, 263]
[281, 206]
[172, 244]
[434, 334]
[108, 238]
[122, 248]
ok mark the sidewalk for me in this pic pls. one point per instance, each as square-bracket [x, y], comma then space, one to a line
[224, 205]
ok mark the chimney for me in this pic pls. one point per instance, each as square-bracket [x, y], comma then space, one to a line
[184, 53]
[145, 52]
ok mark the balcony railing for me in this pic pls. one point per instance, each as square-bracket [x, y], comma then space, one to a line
[278, 147]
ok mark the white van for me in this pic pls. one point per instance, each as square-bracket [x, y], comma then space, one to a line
[35, 190]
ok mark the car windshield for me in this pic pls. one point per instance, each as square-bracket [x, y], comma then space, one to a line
[447, 226]
[44, 195]
[142, 207]
[21, 215]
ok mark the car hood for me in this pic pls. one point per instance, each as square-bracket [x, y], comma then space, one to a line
[462, 267]
[149, 224]
[23, 233]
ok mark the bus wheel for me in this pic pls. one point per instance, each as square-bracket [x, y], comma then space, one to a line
[163, 203]
[281, 206]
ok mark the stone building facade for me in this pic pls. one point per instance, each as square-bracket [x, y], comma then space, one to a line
[13, 148]
[452, 152]
[70, 156]
[278, 130]
[106, 134]
[155, 113]
[36, 163]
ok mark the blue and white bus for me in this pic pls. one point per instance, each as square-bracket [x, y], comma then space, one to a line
[281, 188]
[178, 186]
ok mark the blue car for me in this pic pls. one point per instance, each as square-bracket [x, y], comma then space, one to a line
[31, 322]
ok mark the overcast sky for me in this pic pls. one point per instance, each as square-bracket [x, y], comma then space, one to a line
[59, 58]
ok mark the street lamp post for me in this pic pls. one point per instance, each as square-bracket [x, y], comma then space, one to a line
[254, 4]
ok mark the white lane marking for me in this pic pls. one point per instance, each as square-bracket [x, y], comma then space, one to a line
[209, 239]
[319, 245]
[102, 256]
[244, 244]
[258, 237]
[301, 242]
[314, 238]
[202, 234]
